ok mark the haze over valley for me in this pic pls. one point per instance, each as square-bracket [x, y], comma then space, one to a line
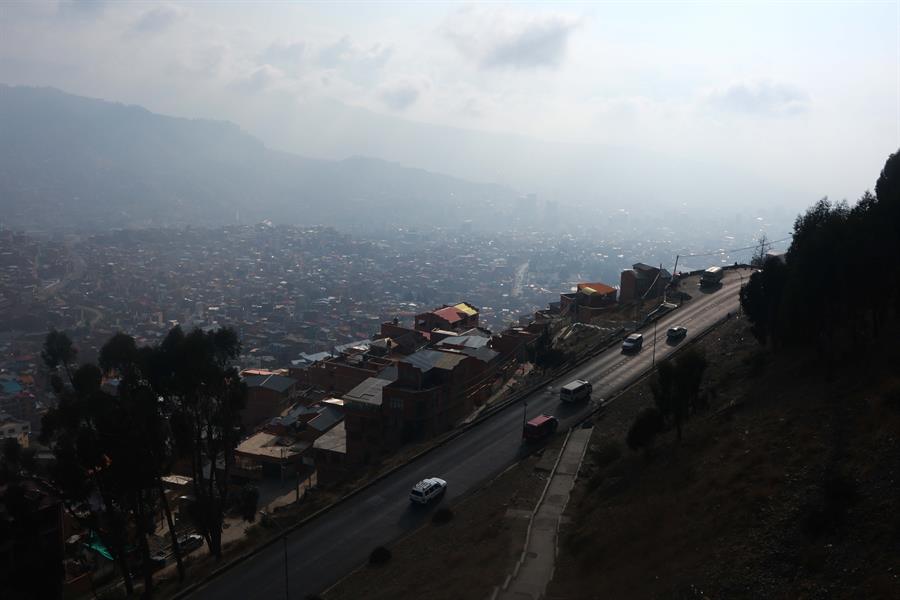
[341, 300]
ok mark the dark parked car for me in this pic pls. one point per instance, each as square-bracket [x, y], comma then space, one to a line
[676, 333]
[633, 343]
[189, 543]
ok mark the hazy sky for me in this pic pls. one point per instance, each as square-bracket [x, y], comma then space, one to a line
[804, 94]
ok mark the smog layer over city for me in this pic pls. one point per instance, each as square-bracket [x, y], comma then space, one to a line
[451, 300]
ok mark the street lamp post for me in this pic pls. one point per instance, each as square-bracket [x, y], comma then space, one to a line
[287, 591]
[524, 414]
[654, 343]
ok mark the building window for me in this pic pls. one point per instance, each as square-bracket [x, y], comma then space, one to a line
[396, 404]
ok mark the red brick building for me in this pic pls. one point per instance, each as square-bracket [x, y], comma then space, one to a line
[267, 396]
[457, 317]
[589, 300]
[642, 281]
[429, 393]
[338, 375]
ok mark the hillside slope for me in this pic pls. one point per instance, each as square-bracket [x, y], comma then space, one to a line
[69, 161]
[786, 488]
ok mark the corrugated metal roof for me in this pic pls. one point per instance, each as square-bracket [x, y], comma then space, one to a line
[425, 360]
[367, 392]
[277, 383]
[483, 354]
[465, 341]
[327, 418]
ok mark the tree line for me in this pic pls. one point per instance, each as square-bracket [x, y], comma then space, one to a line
[120, 425]
[839, 284]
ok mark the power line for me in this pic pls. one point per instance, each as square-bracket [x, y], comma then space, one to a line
[768, 243]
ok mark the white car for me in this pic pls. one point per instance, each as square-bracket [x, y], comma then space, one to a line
[427, 490]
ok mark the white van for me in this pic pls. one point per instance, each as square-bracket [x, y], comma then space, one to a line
[575, 391]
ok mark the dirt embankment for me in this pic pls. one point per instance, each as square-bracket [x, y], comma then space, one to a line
[787, 487]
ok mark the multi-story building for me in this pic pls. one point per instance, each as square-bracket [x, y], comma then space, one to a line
[268, 394]
[428, 393]
[642, 281]
[457, 317]
[589, 300]
[339, 374]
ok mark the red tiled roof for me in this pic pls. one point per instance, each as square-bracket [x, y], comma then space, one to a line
[449, 314]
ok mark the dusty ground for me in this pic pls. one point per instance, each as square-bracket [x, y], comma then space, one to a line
[466, 557]
[786, 488]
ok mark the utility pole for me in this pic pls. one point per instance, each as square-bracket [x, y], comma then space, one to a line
[524, 414]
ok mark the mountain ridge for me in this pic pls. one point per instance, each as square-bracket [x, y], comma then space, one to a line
[76, 162]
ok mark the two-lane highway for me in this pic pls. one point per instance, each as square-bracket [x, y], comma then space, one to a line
[327, 548]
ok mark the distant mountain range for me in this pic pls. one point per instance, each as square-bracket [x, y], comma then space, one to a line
[80, 163]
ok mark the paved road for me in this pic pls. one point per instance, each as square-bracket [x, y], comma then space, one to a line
[333, 545]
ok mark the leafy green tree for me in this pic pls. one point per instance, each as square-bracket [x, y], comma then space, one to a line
[193, 374]
[676, 386]
[690, 367]
[249, 502]
[58, 351]
[79, 429]
[761, 300]
[138, 441]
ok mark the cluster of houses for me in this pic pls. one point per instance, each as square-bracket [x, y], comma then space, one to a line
[334, 412]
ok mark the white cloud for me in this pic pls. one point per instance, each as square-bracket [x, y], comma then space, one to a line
[399, 96]
[504, 39]
[764, 97]
[285, 55]
[260, 79]
[81, 9]
[158, 19]
[345, 53]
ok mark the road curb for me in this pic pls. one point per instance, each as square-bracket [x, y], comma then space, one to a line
[537, 506]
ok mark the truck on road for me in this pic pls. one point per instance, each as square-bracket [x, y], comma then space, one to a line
[712, 276]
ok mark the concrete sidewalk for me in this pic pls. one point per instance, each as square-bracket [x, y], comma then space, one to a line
[535, 568]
